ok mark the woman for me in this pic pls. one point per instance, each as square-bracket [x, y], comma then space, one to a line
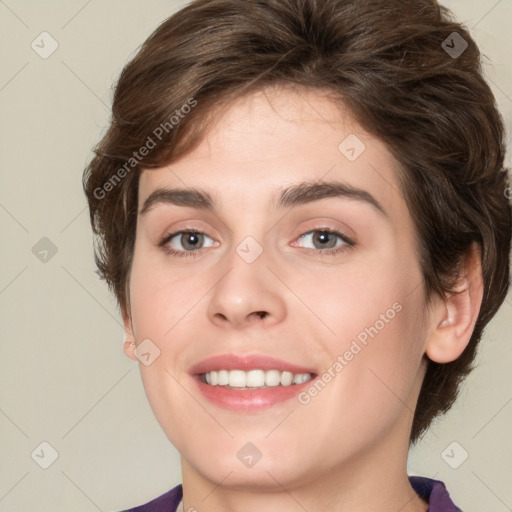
[301, 207]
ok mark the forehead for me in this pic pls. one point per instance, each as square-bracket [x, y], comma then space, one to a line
[268, 140]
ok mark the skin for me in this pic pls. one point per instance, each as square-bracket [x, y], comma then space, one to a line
[346, 449]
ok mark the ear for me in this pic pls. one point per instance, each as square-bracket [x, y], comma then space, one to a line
[129, 343]
[454, 317]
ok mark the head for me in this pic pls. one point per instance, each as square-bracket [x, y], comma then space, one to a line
[242, 101]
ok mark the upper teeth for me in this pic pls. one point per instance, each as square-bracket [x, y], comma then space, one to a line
[254, 378]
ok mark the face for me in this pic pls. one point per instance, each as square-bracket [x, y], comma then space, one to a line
[277, 300]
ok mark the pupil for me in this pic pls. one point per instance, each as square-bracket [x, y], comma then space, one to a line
[323, 237]
[191, 239]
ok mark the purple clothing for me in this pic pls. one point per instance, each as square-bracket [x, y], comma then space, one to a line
[432, 491]
[167, 502]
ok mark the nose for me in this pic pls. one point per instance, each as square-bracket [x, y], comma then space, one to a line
[247, 294]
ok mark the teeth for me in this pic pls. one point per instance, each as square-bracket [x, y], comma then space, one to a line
[300, 378]
[272, 378]
[223, 378]
[287, 378]
[237, 379]
[254, 378]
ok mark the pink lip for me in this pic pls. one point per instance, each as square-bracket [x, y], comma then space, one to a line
[246, 363]
[248, 400]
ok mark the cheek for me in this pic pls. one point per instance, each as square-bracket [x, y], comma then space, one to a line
[165, 306]
[382, 377]
[374, 380]
[374, 314]
[162, 298]
[349, 300]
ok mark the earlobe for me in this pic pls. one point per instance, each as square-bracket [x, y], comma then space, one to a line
[129, 348]
[457, 314]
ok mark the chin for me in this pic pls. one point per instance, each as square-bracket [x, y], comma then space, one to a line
[239, 463]
[264, 476]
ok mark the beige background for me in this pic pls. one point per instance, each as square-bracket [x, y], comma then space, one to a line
[63, 376]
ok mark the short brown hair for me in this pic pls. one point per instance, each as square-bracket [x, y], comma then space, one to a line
[383, 59]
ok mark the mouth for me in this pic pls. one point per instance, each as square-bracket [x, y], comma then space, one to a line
[249, 383]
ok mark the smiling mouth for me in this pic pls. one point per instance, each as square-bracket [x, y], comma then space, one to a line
[253, 379]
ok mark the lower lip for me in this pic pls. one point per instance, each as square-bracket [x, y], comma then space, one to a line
[250, 400]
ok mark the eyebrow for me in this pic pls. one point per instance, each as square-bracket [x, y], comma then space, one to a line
[300, 193]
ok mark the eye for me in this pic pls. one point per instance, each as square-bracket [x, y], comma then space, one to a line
[327, 240]
[190, 242]
[185, 243]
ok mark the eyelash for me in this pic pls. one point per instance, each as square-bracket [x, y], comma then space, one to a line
[348, 243]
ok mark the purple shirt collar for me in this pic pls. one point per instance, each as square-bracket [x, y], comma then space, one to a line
[435, 493]
[432, 491]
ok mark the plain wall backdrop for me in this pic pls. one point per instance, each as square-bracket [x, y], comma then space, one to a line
[64, 379]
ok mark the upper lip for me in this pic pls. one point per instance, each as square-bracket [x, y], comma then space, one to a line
[246, 363]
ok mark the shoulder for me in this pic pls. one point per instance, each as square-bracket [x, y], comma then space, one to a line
[167, 502]
[435, 493]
